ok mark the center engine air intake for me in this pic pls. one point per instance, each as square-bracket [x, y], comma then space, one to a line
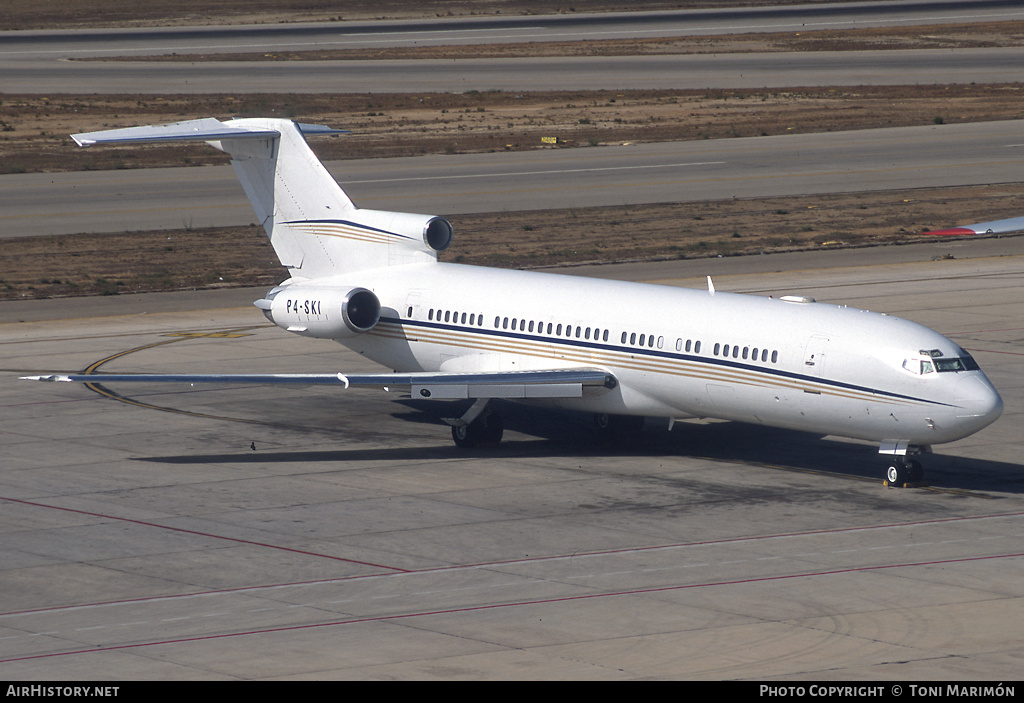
[438, 234]
[322, 312]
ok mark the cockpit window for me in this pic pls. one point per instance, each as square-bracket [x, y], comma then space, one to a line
[919, 366]
[940, 365]
[962, 363]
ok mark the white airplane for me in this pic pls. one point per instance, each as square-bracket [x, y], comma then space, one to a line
[622, 351]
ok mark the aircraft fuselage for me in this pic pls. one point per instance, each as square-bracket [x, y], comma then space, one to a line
[680, 352]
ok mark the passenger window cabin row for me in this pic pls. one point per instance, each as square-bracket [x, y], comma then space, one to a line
[734, 351]
[554, 329]
[642, 339]
[455, 317]
[737, 352]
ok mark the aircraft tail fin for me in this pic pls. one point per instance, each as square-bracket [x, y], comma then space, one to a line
[314, 227]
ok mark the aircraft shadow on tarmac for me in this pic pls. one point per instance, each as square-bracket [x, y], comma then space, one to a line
[569, 434]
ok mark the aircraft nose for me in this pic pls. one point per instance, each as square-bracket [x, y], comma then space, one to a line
[978, 402]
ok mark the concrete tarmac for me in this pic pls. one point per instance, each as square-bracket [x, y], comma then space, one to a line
[302, 533]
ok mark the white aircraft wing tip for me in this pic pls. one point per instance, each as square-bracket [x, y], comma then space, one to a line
[53, 377]
[1007, 226]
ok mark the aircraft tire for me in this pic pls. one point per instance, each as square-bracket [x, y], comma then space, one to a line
[895, 475]
[901, 471]
[485, 430]
[463, 436]
[915, 472]
[618, 427]
[494, 429]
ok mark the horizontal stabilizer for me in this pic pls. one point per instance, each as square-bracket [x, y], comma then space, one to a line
[205, 130]
[557, 383]
[1013, 224]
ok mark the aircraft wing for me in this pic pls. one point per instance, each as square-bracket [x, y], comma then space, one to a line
[1013, 224]
[555, 383]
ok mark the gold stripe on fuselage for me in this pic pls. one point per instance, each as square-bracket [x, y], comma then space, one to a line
[342, 231]
[556, 349]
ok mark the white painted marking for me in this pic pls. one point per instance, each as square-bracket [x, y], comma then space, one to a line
[476, 176]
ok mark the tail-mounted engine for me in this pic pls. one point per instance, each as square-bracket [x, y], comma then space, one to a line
[424, 232]
[320, 311]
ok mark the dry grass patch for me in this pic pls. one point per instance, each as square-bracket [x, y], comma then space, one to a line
[135, 262]
[34, 129]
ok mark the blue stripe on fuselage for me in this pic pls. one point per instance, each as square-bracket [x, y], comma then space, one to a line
[657, 353]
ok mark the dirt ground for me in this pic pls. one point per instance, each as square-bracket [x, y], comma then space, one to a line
[74, 14]
[110, 264]
[34, 129]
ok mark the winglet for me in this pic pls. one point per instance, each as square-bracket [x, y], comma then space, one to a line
[711, 286]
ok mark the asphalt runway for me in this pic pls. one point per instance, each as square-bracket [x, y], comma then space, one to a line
[49, 45]
[46, 61]
[864, 160]
[678, 72]
[145, 538]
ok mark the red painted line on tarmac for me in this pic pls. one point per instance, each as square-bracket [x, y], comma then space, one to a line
[393, 571]
[496, 606]
[997, 329]
[993, 351]
[204, 534]
[48, 402]
[951, 232]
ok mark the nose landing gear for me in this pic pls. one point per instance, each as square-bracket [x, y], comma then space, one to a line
[902, 470]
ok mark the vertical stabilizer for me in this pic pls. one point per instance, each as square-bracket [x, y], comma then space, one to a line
[287, 185]
[314, 227]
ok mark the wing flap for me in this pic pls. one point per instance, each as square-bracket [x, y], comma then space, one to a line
[555, 383]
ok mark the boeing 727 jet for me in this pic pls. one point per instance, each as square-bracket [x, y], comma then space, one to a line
[622, 351]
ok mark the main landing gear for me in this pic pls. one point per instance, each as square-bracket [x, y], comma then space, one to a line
[485, 430]
[616, 428]
[478, 426]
